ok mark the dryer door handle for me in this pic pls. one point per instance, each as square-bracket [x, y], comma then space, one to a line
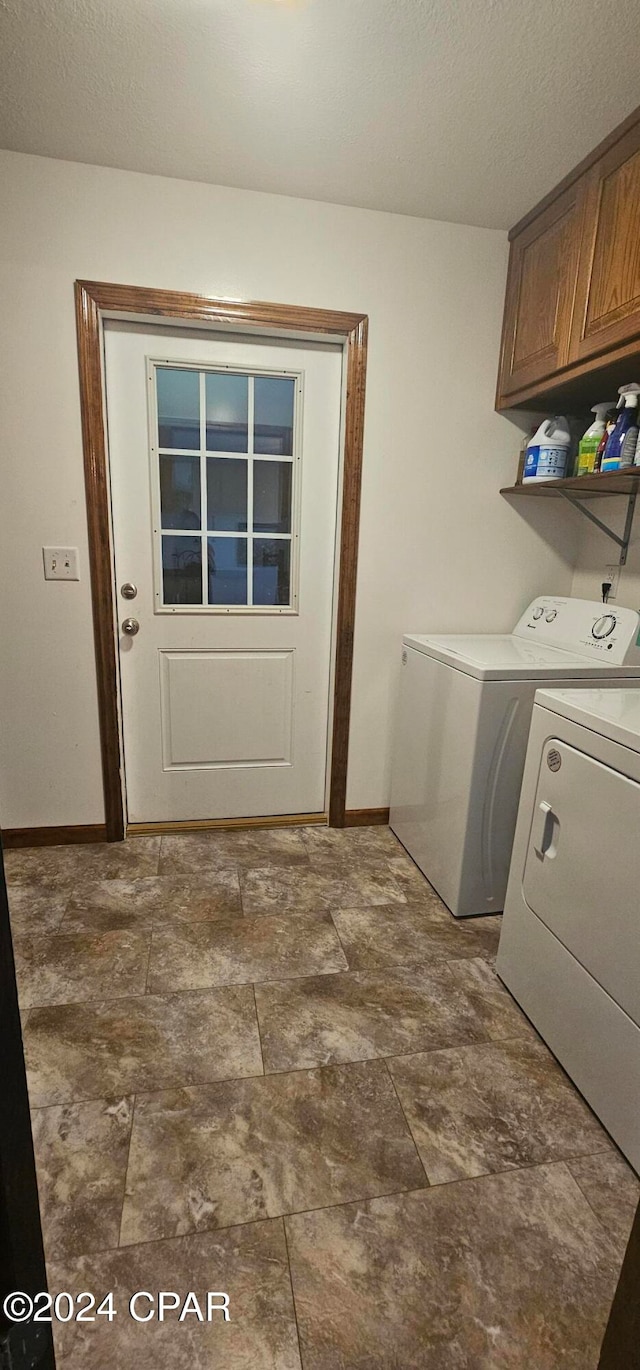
[544, 824]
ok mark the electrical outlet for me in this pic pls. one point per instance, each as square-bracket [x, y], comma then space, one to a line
[612, 573]
[60, 563]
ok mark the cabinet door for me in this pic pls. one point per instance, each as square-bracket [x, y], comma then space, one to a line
[607, 307]
[540, 292]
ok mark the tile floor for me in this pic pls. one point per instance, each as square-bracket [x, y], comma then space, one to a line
[270, 1063]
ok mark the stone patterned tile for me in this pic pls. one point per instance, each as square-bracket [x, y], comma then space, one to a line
[401, 934]
[417, 889]
[411, 880]
[66, 968]
[70, 867]
[492, 1002]
[247, 1263]
[197, 955]
[247, 1149]
[613, 1190]
[88, 1051]
[111, 904]
[485, 929]
[340, 851]
[81, 1158]
[360, 1016]
[377, 842]
[481, 1109]
[501, 1273]
[34, 909]
[197, 853]
[266, 890]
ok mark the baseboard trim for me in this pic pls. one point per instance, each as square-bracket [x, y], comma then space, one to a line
[365, 818]
[97, 832]
[54, 837]
[284, 820]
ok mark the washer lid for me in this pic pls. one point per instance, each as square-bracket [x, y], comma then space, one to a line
[489, 656]
[612, 713]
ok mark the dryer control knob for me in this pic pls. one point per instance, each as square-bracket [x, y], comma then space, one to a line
[604, 626]
[537, 613]
[553, 613]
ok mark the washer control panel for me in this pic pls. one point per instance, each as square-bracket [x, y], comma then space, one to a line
[583, 626]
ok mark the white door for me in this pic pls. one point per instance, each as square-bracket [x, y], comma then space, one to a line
[224, 458]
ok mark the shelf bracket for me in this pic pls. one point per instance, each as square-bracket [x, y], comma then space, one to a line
[622, 542]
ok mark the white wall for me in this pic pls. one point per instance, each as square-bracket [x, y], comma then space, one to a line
[440, 549]
[595, 552]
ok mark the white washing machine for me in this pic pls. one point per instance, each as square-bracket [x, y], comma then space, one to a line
[570, 943]
[463, 721]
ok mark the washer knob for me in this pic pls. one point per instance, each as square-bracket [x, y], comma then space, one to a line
[537, 613]
[553, 613]
[604, 626]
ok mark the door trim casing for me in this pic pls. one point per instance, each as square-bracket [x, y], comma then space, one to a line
[100, 300]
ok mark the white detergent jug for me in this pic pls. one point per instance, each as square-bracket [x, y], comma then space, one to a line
[547, 453]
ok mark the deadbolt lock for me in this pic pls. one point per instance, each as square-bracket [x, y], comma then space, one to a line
[128, 590]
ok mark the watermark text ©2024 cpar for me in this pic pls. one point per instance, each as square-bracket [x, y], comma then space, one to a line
[143, 1306]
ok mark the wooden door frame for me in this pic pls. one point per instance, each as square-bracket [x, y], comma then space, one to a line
[100, 300]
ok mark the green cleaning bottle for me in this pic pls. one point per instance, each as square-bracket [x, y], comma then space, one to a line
[590, 441]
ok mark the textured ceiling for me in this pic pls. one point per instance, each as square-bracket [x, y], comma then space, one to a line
[465, 110]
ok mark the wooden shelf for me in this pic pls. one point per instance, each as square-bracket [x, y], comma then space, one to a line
[625, 482]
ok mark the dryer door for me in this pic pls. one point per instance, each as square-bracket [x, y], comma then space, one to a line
[582, 871]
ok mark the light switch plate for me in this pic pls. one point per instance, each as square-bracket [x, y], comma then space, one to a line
[60, 563]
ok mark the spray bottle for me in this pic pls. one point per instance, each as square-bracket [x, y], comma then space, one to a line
[610, 423]
[591, 439]
[621, 444]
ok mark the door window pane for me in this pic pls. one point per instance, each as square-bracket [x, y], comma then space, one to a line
[273, 415]
[271, 570]
[227, 404]
[182, 570]
[272, 496]
[178, 408]
[227, 494]
[227, 570]
[207, 455]
[180, 492]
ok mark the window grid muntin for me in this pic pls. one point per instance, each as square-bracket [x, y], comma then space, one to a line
[250, 456]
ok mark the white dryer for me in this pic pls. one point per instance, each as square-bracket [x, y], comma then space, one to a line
[570, 943]
[461, 737]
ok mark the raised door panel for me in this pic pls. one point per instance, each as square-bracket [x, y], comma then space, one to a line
[540, 290]
[226, 708]
[607, 312]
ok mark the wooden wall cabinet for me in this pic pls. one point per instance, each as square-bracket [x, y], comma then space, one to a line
[572, 305]
[540, 289]
[607, 305]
